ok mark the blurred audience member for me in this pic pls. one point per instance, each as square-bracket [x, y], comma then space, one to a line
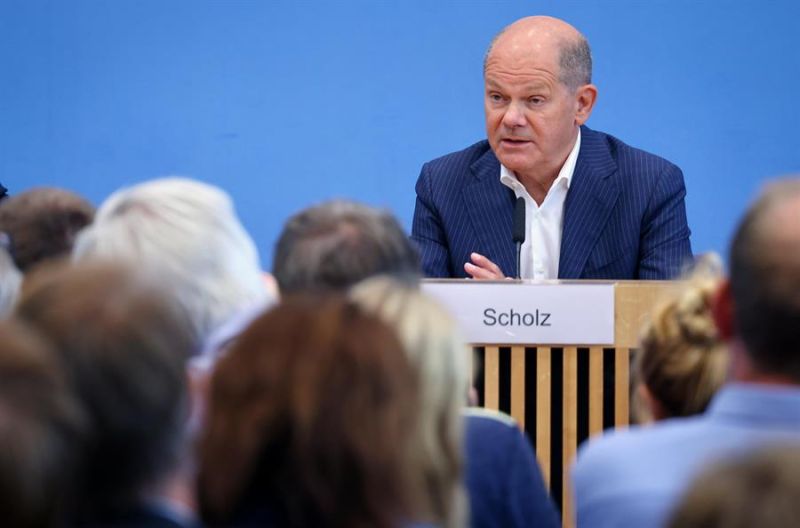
[634, 477]
[336, 244]
[760, 489]
[10, 282]
[186, 232]
[124, 346]
[42, 224]
[502, 475]
[682, 361]
[40, 426]
[310, 422]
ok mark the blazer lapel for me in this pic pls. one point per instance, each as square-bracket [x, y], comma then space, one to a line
[592, 195]
[490, 206]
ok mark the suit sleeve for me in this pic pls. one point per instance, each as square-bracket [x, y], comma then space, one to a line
[427, 231]
[665, 249]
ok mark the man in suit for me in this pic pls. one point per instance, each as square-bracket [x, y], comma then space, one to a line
[595, 207]
[635, 477]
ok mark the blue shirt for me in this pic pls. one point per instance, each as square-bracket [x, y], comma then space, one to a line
[635, 477]
[503, 478]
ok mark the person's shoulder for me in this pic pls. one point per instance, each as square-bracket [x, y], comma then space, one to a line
[642, 450]
[460, 160]
[625, 155]
[484, 427]
[480, 418]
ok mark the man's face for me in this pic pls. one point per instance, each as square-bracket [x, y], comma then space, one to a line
[530, 114]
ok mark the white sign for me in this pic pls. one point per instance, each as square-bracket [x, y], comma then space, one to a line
[520, 312]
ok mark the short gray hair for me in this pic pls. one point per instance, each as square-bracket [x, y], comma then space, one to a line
[187, 232]
[336, 244]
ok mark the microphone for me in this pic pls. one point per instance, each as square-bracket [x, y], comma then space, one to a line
[519, 230]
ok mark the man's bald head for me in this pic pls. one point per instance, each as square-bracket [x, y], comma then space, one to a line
[765, 279]
[543, 34]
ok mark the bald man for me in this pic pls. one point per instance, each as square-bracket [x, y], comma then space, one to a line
[595, 207]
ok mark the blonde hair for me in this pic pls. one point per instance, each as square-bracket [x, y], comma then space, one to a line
[442, 359]
[682, 361]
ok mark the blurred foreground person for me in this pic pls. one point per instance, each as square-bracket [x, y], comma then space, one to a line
[41, 224]
[682, 361]
[10, 282]
[40, 428]
[123, 345]
[333, 245]
[634, 477]
[760, 489]
[310, 423]
[186, 232]
[501, 474]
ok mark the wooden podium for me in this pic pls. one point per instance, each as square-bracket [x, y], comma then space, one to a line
[562, 394]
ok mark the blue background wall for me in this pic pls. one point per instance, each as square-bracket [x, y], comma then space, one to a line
[288, 103]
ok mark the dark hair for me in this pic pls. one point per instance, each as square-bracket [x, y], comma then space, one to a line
[336, 244]
[40, 427]
[42, 223]
[758, 489]
[124, 347]
[310, 421]
[765, 279]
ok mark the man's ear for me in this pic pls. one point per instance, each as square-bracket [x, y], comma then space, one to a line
[585, 96]
[722, 310]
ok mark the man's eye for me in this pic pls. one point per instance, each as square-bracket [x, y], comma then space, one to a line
[495, 98]
[536, 100]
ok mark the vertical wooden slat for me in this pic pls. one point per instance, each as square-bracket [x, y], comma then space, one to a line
[518, 385]
[595, 390]
[543, 401]
[621, 387]
[491, 378]
[569, 429]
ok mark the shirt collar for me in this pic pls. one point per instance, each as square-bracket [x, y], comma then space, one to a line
[509, 179]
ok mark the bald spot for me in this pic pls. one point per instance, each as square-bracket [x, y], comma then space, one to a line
[777, 236]
[537, 37]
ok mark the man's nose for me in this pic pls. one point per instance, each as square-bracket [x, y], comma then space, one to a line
[514, 116]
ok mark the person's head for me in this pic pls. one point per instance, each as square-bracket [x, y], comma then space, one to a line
[187, 232]
[537, 75]
[757, 489]
[42, 224]
[442, 360]
[758, 310]
[40, 428]
[123, 345]
[333, 245]
[682, 361]
[310, 418]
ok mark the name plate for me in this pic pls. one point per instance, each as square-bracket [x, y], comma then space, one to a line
[529, 312]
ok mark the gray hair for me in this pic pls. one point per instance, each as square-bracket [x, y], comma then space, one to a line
[336, 244]
[443, 362]
[188, 233]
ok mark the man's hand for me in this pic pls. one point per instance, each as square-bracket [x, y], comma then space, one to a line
[482, 268]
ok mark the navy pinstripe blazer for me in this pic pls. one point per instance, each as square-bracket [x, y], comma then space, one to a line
[624, 216]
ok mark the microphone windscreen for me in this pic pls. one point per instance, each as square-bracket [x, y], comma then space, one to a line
[519, 220]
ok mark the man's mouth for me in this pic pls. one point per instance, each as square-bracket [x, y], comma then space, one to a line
[515, 141]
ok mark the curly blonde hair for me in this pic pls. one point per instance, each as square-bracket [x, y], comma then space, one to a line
[682, 361]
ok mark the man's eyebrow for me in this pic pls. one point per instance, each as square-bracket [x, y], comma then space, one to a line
[532, 86]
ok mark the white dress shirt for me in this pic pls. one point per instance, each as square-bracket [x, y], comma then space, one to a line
[543, 223]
